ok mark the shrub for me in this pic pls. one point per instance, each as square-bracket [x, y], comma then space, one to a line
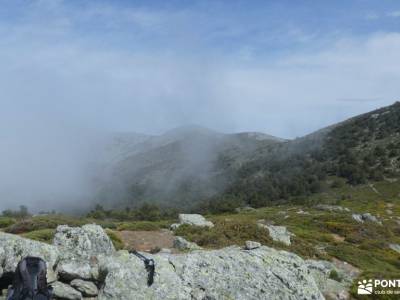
[6, 221]
[335, 276]
[115, 239]
[42, 235]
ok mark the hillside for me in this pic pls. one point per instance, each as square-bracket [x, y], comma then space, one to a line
[196, 168]
[362, 149]
[179, 167]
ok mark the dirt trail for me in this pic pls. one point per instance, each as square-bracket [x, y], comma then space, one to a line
[147, 240]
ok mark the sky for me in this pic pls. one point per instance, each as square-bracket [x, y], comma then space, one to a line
[285, 68]
[73, 69]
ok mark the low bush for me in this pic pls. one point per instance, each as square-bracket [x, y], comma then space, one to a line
[224, 233]
[6, 221]
[42, 235]
[115, 239]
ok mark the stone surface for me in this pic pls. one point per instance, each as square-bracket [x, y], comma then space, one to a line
[14, 248]
[332, 208]
[367, 217]
[194, 220]
[77, 269]
[250, 245]
[64, 291]
[174, 226]
[87, 288]
[278, 233]
[228, 273]
[181, 244]
[86, 241]
[395, 247]
[332, 289]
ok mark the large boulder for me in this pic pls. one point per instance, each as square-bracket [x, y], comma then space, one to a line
[395, 247]
[84, 242]
[229, 273]
[333, 278]
[367, 217]
[87, 288]
[277, 233]
[194, 220]
[94, 267]
[14, 248]
[181, 244]
[77, 269]
[65, 291]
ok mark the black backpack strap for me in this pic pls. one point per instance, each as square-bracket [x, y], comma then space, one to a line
[26, 290]
[149, 265]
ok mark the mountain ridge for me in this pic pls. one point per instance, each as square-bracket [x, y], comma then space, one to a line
[192, 164]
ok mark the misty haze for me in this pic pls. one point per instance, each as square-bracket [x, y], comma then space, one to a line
[202, 138]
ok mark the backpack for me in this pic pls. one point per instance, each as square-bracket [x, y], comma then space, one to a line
[30, 281]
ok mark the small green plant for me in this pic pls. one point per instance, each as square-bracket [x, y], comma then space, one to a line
[6, 221]
[42, 235]
[115, 239]
[335, 276]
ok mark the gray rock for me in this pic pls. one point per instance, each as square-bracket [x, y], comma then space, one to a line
[395, 247]
[361, 218]
[14, 248]
[86, 241]
[64, 291]
[77, 269]
[278, 233]
[165, 251]
[250, 245]
[332, 208]
[229, 273]
[174, 226]
[194, 220]
[182, 244]
[87, 288]
[332, 289]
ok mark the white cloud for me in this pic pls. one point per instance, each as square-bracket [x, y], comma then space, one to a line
[394, 14]
[60, 81]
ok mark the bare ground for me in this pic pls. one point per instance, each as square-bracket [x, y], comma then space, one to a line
[147, 240]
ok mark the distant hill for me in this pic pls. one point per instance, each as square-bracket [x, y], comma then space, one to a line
[180, 167]
[362, 149]
[197, 168]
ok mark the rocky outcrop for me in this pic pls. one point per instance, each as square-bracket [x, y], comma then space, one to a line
[333, 287]
[65, 291]
[229, 273]
[194, 220]
[87, 288]
[96, 270]
[181, 244]
[277, 233]
[395, 247]
[85, 242]
[250, 245]
[367, 217]
[14, 248]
